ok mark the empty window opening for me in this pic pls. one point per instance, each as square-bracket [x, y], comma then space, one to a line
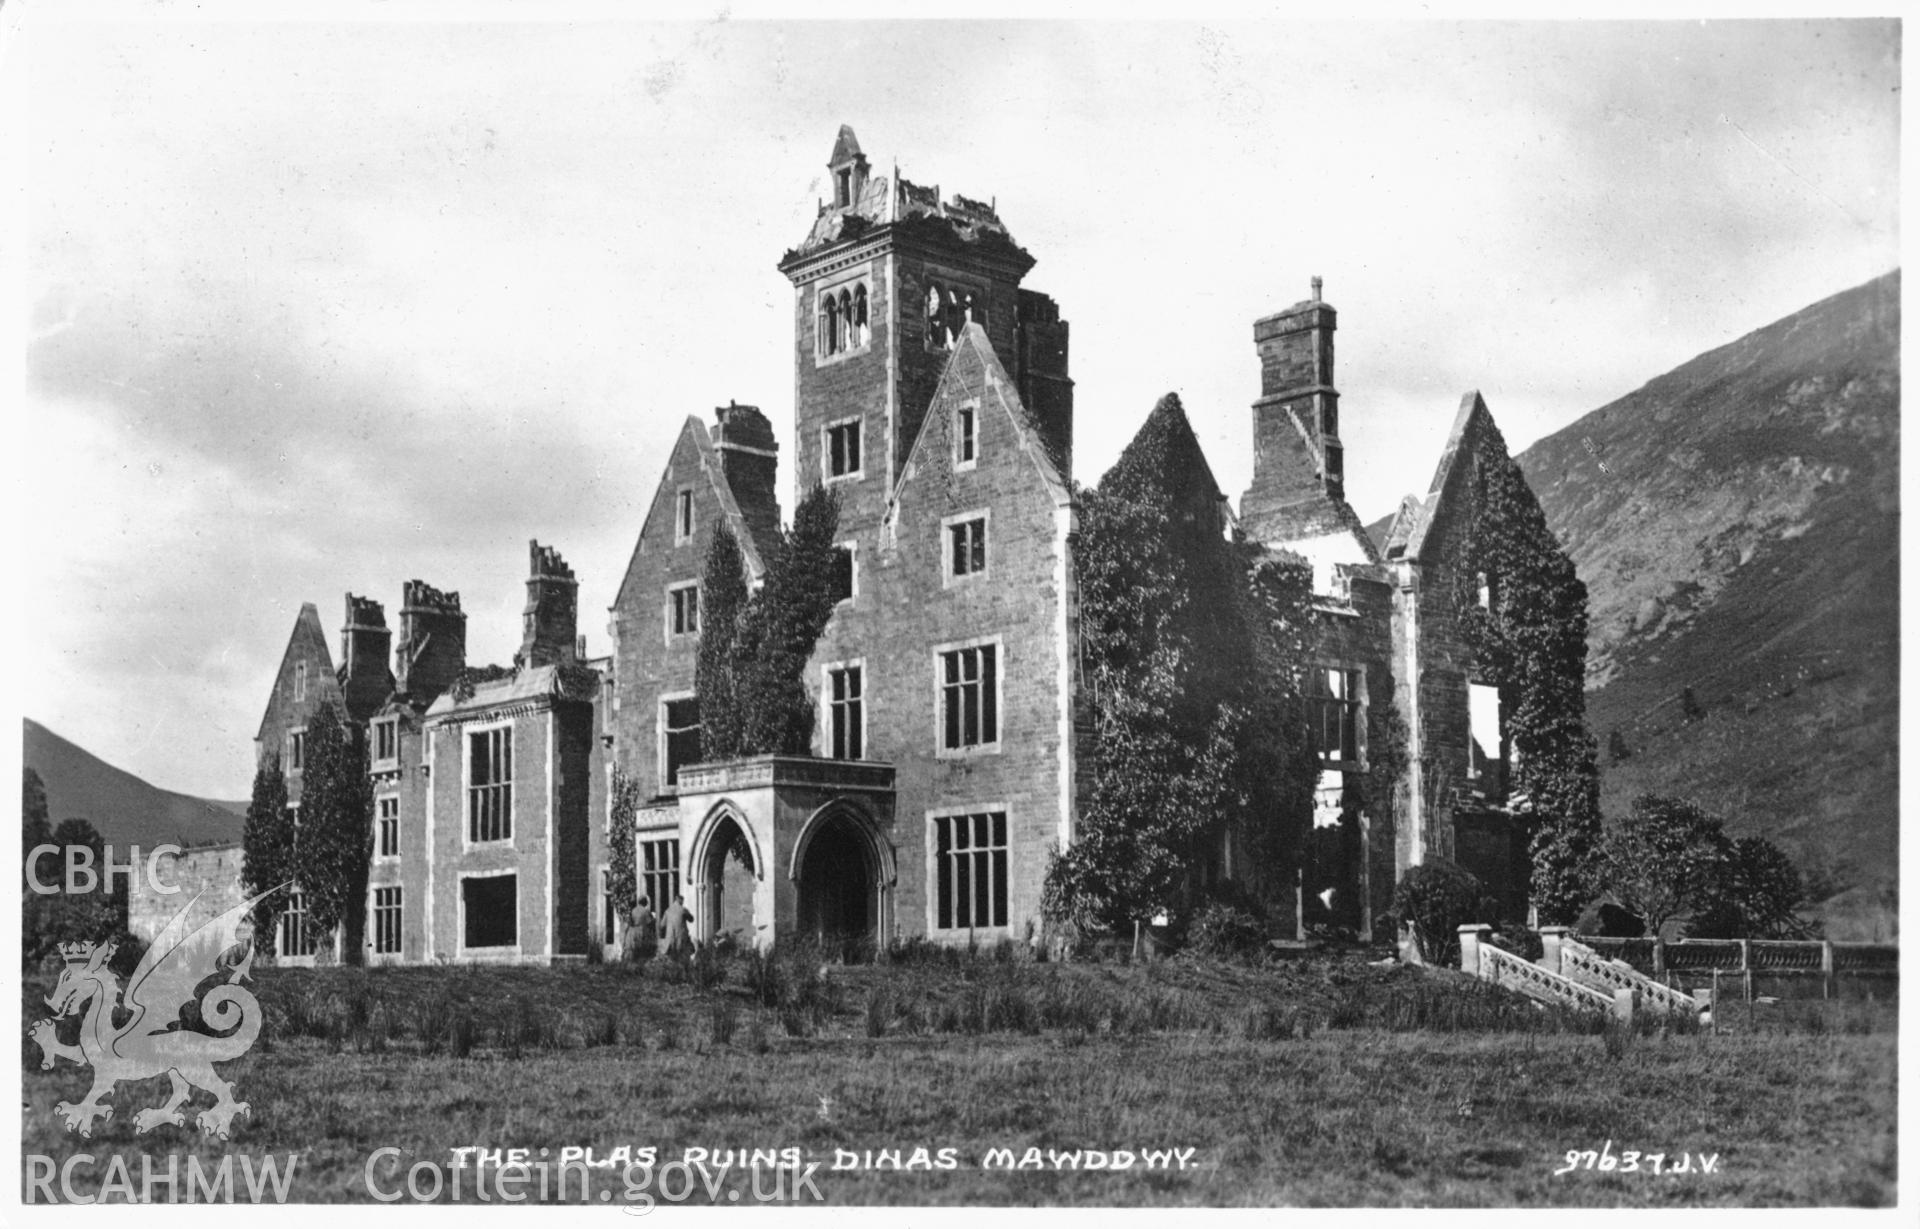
[967, 542]
[970, 871]
[682, 719]
[964, 443]
[659, 872]
[389, 835]
[490, 785]
[1488, 751]
[846, 713]
[296, 935]
[683, 610]
[683, 516]
[1334, 697]
[969, 698]
[492, 908]
[843, 449]
[842, 579]
[386, 920]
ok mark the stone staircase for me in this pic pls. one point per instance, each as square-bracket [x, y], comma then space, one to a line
[1575, 961]
[1481, 958]
[1570, 974]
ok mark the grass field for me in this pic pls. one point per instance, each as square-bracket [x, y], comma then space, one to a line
[1330, 1082]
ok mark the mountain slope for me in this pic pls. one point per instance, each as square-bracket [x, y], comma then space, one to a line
[1737, 524]
[124, 808]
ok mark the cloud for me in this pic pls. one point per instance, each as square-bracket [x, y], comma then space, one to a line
[323, 307]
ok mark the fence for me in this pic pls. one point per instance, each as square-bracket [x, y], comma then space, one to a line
[1750, 958]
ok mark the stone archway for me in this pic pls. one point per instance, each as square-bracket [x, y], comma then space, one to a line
[725, 874]
[842, 871]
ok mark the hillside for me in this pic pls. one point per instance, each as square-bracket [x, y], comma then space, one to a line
[1737, 524]
[123, 807]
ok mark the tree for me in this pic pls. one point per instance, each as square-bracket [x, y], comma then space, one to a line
[1188, 641]
[266, 846]
[1666, 858]
[621, 870]
[751, 674]
[69, 916]
[1438, 897]
[1759, 895]
[335, 837]
[723, 601]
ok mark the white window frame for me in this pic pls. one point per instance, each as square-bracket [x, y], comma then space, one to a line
[399, 920]
[940, 749]
[460, 909]
[948, 577]
[296, 764]
[299, 681]
[693, 633]
[971, 408]
[282, 955]
[859, 276]
[859, 470]
[379, 822]
[827, 670]
[641, 888]
[660, 739]
[684, 517]
[934, 816]
[467, 734]
[391, 725]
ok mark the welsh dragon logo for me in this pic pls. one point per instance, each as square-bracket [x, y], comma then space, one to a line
[152, 1038]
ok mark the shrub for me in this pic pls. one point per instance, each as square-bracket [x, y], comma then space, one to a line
[1438, 897]
[1224, 931]
[460, 1035]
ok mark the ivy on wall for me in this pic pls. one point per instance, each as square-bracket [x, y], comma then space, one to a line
[266, 844]
[1189, 643]
[1530, 642]
[750, 679]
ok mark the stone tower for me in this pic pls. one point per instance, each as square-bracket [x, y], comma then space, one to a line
[884, 283]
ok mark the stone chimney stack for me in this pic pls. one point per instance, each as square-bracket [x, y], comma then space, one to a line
[1297, 454]
[433, 641]
[365, 644]
[551, 619]
[749, 457]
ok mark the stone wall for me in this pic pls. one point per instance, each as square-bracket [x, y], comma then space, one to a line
[209, 882]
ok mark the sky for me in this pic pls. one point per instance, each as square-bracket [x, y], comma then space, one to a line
[317, 307]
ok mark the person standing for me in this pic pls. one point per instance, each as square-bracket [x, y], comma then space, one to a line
[643, 935]
[676, 927]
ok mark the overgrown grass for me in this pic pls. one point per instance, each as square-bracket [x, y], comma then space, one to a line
[1327, 1081]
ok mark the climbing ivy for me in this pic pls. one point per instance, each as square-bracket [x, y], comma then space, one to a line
[755, 646]
[1188, 645]
[1531, 643]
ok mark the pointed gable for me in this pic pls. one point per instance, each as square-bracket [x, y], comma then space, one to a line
[1473, 430]
[694, 452]
[304, 680]
[974, 373]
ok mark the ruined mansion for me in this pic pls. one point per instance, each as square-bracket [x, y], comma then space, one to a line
[932, 391]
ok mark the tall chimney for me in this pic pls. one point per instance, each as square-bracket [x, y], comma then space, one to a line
[548, 625]
[365, 644]
[749, 458]
[433, 641]
[1297, 456]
